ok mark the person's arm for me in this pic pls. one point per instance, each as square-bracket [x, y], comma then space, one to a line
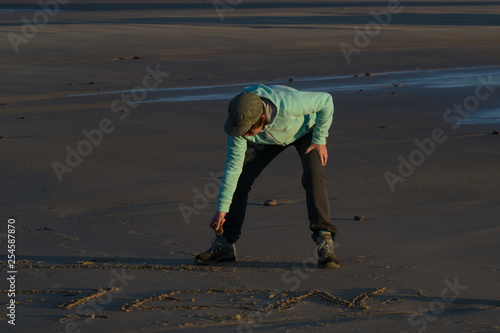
[322, 105]
[235, 156]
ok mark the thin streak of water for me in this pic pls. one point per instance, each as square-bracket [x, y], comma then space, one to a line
[435, 78]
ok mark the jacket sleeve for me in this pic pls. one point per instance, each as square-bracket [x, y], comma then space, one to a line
[321, 104]
[235, 156]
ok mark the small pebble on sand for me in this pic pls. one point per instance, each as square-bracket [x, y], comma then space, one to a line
[270, 202]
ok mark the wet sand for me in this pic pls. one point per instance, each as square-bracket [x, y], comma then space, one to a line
[105, 247]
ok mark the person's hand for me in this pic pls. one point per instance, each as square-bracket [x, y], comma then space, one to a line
[218, 220]
[321, 150]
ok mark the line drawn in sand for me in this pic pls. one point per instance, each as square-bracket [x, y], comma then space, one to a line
[285, 299]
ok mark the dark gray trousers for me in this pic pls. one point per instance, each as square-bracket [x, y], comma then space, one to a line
[257, 157]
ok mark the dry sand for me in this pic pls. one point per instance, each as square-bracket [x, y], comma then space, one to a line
[108, 250]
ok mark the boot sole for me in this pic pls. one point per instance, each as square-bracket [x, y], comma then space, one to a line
[218, 260]
[228, 256]
[328, 265]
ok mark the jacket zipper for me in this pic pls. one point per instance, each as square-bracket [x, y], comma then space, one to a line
[272, 137]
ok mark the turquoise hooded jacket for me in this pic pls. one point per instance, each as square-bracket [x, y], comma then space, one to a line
[297, 112]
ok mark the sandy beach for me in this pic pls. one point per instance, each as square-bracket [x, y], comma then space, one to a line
[112, 145]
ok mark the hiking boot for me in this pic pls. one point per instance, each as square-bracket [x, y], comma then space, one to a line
[220, 251]
[326, 255]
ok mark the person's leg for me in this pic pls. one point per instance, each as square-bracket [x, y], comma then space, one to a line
[314, 182]
[318, 205]
[256, 159]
